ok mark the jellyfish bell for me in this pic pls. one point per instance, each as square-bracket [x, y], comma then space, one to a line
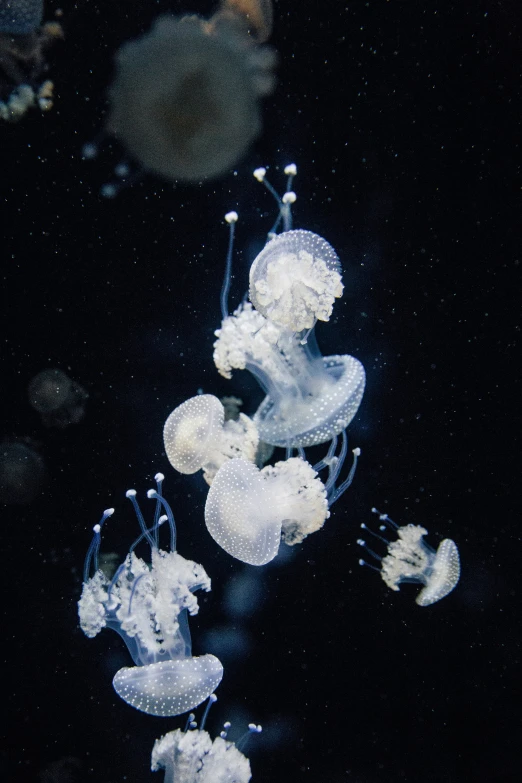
[410, 559]
[295, 280]
[197, 436]
[147, 605]
[185, 98]
[20, 16]
[256, 15]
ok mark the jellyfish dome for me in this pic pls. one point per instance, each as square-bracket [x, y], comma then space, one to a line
[147, 605]
[410, 559]
[309, 398]
[197, 436]
[295, 280]
[185, 99]
[248, 510]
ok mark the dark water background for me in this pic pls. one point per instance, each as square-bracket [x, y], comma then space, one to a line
[404, 121]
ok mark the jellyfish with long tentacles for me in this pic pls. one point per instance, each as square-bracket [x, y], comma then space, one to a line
[148, 605]
[410, 559]
[294, 281]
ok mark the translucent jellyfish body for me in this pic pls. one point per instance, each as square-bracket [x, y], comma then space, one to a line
[192, 756]
[147, 605]
[197, 436]
[411, 559]
[248, 510]
[295, 280]
[185, 99]
[59, 399]
[310, 398]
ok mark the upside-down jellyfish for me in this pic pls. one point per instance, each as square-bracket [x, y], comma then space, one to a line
[147, 605]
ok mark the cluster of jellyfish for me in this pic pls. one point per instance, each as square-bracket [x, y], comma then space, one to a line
[251, 507]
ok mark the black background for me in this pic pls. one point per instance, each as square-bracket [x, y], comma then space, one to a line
[403, 119]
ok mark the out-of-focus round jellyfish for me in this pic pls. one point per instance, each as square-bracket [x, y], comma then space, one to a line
[23, 42]
[185, 98]
[294, 282]
[22, 471]
[197, 436]
[147, 605]
[411, 559]
[59, 399]
[248, 511]
[190, 755]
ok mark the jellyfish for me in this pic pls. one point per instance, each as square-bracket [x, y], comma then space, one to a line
[23, 43]
[185, 98]
[147, 605]
[294, 282]
[411, 559]
[197, 436]
[191, 756]
[22, 471]
[249, 511]
[59, 400]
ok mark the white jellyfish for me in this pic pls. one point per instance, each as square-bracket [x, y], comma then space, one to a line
[411, 559]
[197, 436]
[249, 511]
[191, 755]
[293, 283]
[59, 399]
[147, 605]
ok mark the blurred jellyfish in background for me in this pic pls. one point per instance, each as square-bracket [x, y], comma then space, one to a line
[411, 559]
[185, 100]
[23, 45]
[147, 605]
[58, 399]
[22, 471]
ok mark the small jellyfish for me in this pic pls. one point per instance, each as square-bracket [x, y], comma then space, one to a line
[22, 471]
[59, 399]
[411, 559]
[197, 436]
[147, 605]
[185, 98]
[23, 42]
[249, 511]
[189, 756]
[293, 283]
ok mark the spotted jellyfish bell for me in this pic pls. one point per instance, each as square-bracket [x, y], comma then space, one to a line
[147, 605]
[190, 754]
[248, 511]
[197, 436]
[309, 398]
[411, 559]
